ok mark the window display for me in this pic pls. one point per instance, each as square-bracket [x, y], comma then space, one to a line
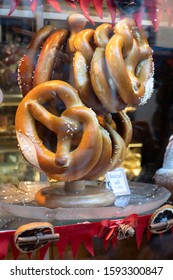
[86, 88]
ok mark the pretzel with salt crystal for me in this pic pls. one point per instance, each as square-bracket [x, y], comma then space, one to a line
[43, 54]
[129, 62]
[28, 61]
[67, 162]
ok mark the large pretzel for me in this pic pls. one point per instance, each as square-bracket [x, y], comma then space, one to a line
[67, 162]
[103, 87]
[83, 84]
[129, 62]
[123, 126]
[118, 67]
[102, 83]
[27, 64]
[43, 54]
[119, 129]
[48, 55]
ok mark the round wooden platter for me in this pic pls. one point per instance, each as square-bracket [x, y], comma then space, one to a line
[75, 194]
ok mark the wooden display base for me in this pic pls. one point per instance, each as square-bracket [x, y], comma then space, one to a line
[75, 194]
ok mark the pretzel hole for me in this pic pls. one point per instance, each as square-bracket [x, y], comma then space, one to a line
[55, 106]
[48, 137]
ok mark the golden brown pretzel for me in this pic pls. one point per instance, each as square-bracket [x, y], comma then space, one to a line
[84, 42]
[28, 61]
[129, 62]
[67, 162]
[123, 126]
[102, 83]
[102, 34]
[48, 55]
[118, 148]
[104, 161]
[111, 158]
[83, 84]
[76, 23]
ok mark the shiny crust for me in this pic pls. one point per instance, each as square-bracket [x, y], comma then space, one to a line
[102, 34]
[48, 55]
[102, 84]
[66, 163]
[37, 65]
[123, 126]
[129, 52]
[83, 84]
[28, 61]
[83, 42]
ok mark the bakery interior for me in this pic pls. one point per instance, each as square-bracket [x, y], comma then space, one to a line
[152, 128]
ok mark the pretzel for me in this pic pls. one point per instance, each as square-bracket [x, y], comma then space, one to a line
[83, 84]
[129, 61]
[84, 46]
[112, 158]
[76, 23]
[102, 84]
[119, 148]
[84, 42]
[27, 63]
[102, 34]
[67, 162]
[123, 126]
[48, 55]
[47, 43]
[105, 158]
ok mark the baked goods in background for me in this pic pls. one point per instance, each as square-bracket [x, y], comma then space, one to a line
[164, 175]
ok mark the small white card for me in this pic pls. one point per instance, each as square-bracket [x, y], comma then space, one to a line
[116, 181]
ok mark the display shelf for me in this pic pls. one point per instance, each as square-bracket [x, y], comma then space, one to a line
[9, 150]
[144, 198]
[53, 15]
[11, 100]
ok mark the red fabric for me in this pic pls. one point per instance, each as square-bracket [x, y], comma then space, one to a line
[5, 238]
[112, 10]
[55, 5]
[84, 5]
[138, 16]
[13, 6]
[98, 7]
[155, 9]
[83, 233]
[142, 225]
[33, 4]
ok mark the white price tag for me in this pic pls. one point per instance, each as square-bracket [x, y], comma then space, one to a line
[116, 181]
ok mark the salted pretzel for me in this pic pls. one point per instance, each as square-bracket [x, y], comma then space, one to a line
[84, 42]
[48, 55]
[119, 65]
[43, 54]
[102, 84]
[27, 63]
[129, 62]
[83, 84]
[105, 157]
[112, 158]
[84, 51]
[67, 162]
